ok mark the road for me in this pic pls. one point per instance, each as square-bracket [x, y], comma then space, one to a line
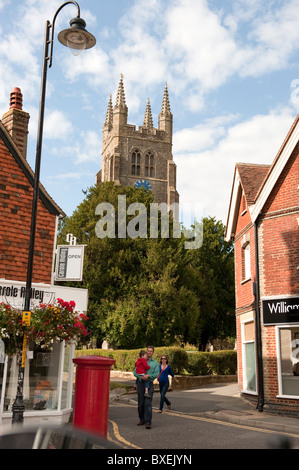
[187, 429]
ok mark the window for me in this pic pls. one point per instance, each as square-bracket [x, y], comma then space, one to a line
[249, 362]
[149, 165]
[48, 380]
[246, 268]
[136, 163]
[288, 361]
[247, 273]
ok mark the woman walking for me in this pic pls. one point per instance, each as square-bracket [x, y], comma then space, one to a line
[165, 370]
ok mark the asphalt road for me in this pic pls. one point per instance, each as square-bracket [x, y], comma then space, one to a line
[186, 427]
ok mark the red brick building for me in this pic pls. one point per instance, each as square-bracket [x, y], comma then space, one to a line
[16, 194]
[50, 385]
[263, 222]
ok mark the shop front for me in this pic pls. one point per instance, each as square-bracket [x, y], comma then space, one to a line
[282, 315]
[47, 390]
[48, 374]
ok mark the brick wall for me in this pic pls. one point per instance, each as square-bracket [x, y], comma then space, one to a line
[279, 261]
[278, 231]
[280, 237]
[15, 215]
[243, 288]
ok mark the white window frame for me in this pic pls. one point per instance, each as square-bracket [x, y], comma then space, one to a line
[244, 382]
[278, 355]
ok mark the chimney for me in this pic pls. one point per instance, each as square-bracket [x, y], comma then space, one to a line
[16, 121]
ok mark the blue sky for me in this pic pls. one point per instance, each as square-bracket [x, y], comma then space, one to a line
[232, 70]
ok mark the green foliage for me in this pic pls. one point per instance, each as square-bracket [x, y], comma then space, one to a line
[195, 363]
[213, 282]
[215, 362]
[151, 290]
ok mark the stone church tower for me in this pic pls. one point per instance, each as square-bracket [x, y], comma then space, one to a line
[139, 156]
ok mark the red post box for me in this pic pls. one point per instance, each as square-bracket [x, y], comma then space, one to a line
[91, 399]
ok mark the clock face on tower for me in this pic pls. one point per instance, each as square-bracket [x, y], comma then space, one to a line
[143, 184]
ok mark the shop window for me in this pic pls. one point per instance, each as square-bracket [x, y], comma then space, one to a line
[47, 384]
[288, 361]
[249, 361]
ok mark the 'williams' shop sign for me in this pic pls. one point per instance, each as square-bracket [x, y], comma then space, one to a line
[280, 310]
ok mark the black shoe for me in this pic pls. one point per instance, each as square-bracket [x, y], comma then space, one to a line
[148, 426]
[140, 423]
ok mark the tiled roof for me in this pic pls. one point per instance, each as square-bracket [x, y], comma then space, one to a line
[28, 172]
[252, 177]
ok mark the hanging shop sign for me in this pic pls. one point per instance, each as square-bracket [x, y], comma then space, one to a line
[280, 310]
[69, 263]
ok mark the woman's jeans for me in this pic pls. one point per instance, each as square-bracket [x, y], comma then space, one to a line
[163, 389]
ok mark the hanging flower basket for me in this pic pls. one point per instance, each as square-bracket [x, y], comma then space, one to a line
[49, 324]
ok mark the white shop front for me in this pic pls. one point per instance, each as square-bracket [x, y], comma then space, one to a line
[48, 377]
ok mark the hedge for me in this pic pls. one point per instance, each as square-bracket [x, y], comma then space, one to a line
[182, 363]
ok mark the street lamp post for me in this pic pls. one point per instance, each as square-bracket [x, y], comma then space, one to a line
[77, 39]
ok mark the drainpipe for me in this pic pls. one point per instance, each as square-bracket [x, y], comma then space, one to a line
[258, 333]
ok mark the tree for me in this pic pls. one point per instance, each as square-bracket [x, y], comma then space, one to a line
[213, 282]
[136, 289]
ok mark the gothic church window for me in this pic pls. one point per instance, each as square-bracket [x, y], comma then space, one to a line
[149, 165]
[136, 163]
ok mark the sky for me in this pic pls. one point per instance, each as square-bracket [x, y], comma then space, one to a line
[231, 67]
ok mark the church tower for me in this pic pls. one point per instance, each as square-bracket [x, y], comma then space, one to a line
[139, 156]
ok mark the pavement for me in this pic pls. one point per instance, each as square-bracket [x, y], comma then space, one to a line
[219, 401]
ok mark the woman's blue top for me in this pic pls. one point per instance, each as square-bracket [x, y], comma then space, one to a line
[166, 372]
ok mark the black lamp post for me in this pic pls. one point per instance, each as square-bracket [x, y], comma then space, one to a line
[77, 39]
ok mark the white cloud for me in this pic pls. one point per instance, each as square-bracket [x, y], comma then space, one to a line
[72, 175]
[57, 126]
[202, 136]
[89, 148]
[83, 149]
[205, 177]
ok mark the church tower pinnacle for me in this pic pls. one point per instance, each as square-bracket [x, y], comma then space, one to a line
[109, 114]
[165, 116]
[165, 104]
[140, 157]
[148, 120]
[120, 110]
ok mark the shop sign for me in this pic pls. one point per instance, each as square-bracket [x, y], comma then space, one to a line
[13, 293]
[69, 262]
[280, 310]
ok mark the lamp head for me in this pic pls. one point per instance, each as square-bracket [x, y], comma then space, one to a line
[76, 37]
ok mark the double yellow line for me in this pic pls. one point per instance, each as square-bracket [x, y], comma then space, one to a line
[119, 438]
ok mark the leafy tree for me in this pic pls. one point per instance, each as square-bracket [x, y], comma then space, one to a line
[136, 293]
[213, 282]
[151, 290]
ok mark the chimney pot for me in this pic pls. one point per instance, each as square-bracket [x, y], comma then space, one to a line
[16, 99]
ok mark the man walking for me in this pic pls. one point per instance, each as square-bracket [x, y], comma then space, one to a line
[145, 401]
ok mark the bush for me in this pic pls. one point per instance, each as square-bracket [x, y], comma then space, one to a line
[215, 362]
[198, 363]
[193, 363]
